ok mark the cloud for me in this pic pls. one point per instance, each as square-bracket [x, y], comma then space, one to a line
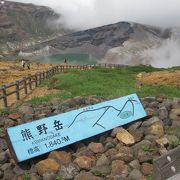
[84, 14]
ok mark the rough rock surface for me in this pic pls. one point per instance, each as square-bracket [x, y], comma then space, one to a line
[108, 41]
[47, 165]
[31, 16]
[107, 156]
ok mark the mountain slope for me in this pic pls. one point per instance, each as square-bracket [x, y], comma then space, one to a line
[93, 41]
[19, 21]
[23, 25]
[106, 41]
[132, 52]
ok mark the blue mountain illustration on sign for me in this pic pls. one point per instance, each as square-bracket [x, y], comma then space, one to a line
[122, 114]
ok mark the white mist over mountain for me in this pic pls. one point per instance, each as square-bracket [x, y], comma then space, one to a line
[84, 14]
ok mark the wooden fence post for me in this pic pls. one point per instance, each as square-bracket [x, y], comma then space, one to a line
[25, 86]
[17, 91]
[36, 80]
[47, 74]
[4, 96]
[30, 83]
[43, 75]
[40, 78]
[50, 72]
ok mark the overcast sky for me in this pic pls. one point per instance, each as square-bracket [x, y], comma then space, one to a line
[83, 14]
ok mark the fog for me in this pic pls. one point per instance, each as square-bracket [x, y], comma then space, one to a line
[84, 14]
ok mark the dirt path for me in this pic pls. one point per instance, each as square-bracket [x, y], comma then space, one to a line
[11, 71]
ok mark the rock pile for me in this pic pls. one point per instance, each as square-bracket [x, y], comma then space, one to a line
[123, 153]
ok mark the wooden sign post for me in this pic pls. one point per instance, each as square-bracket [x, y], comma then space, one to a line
[38, 137]
[167, 167]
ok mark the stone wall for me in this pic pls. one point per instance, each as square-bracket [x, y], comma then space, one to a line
[107, 156]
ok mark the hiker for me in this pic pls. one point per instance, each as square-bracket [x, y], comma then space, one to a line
[28, 64]
[65, 61]
[23, 63]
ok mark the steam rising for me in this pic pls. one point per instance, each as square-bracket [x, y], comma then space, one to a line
[167, 55]
[158, 53]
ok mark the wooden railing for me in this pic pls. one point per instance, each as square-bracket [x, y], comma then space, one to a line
[21, 88]
[111, 66]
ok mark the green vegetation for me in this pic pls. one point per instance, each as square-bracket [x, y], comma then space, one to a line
[146, 148]
[58, 178]
[5, 111]
[98, 174]
[149, 177]
[169, 130]
[154, 158]
[26, 176]
[103, 82]
[174, 141]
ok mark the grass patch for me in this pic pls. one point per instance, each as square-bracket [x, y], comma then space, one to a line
[146, 148]
[103, 82]
[174, 141]
[98, 174]
[26, 176]
[5, 111]
[149, 177]
[58, 178]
